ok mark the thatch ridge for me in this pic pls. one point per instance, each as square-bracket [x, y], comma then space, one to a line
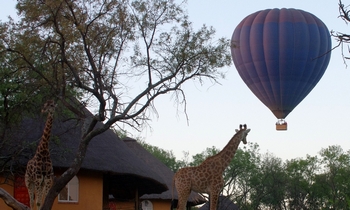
[162, 170]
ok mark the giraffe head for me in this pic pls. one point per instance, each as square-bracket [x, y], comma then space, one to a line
[49, 107]
[244, 132]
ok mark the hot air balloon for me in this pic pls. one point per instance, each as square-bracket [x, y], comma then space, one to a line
[281, 54]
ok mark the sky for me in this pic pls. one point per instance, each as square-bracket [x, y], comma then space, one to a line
[215, 111]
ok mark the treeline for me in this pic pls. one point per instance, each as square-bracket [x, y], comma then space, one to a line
[257, 180]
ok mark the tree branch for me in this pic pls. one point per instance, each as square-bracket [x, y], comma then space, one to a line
[11, 201]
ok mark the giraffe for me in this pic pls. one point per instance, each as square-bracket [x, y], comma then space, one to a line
[39, 173]
[207, 177]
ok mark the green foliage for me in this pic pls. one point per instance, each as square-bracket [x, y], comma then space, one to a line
[166, 157]
[310, 183]
[263, 181]
[336, 166]
[299, 181]
[18, 97]
[199, 158]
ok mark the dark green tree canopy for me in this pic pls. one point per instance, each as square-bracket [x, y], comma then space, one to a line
[115, 57]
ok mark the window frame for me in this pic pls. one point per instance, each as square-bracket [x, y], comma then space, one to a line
[72, 185]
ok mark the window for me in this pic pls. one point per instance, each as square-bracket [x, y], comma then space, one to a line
[70, 192]
[146, 205]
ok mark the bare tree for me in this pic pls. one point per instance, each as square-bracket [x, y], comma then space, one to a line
[116, 56]
[343, 39]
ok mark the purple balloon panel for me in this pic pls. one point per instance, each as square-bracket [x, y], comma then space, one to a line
[281, 54]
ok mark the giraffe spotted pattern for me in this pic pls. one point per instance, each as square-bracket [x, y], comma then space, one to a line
[208, 176]
[39, 173]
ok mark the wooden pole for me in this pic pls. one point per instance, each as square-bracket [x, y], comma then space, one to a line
[137, 199]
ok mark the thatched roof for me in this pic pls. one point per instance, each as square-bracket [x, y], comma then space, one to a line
[162, 170]
[106, 153]
[225, 203]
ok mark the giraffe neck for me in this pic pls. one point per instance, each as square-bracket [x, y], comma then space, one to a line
[45, 138]
[226, 154]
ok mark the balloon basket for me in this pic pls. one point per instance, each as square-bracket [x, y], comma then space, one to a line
[281, 125]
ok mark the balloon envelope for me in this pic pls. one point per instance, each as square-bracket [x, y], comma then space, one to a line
[281, 54]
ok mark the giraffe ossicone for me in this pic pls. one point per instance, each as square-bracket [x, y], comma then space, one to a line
[39, 173]
[208, 176]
